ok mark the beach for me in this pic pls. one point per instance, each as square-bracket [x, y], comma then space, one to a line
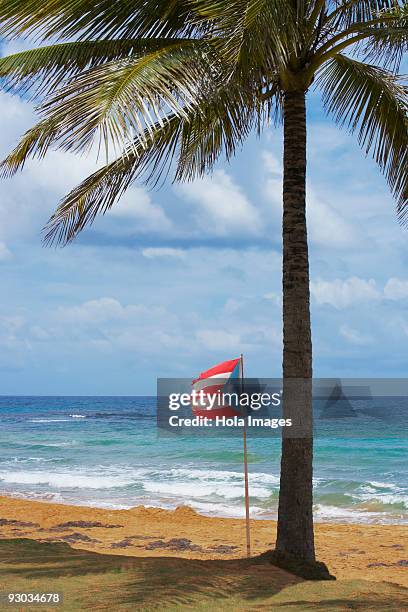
[96, 504]
[368, 552]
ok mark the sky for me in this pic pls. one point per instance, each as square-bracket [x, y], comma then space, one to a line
[174, 280]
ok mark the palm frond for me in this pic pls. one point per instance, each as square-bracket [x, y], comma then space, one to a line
[355, 32]
[97, 193]
[252, 34]
[175, 84]
[118, 100]
[221, 124]
[386, 45]
[374, 103]
[194, 141]
[81, 19]
[41, 70]
[35, 143]
[346, 13]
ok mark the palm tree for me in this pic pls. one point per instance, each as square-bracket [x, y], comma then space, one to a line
[173, 85]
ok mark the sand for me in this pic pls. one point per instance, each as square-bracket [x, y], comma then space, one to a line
[351, 551]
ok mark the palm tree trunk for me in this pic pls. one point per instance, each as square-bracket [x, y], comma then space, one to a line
[295, 518]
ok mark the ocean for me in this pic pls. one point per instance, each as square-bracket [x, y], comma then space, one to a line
[106, 452]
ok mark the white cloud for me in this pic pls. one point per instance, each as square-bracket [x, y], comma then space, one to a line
[12, 323]
[92, 311]
[9, 47]
[134, 328]
[343, 293]
[272, 164]
[240, 337]
[13, 340]
[108, 323]
[29, 198]
[224, 208]
[354, 336]
[16, 115]
[17, 211]
[273, 297]
[59, 171]
[327, 138]
[326, 227]
[405, 327]
[218, 339]
[396, 289]
[98, 311]
[136, 205]
[5, 253]
[38, 333]
[232, 306]
[163, 252]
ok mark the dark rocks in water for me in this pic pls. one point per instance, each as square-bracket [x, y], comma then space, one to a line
[86, 525]
[402, 563]
[7, 522]
[179, 544]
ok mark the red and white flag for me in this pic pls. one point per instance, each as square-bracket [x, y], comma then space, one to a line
[209, 387]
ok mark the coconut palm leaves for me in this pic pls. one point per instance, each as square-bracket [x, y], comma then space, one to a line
[99, 191]
[374, 103]
[170, 86]
[39, 71]
[195, 139]
[253, 35]
[117, 98]
[84, 20]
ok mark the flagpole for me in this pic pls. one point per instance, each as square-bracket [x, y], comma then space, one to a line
[248, 533]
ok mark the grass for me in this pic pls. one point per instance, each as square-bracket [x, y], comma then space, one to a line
[111, 582]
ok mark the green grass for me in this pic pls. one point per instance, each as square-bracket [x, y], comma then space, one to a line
[111, 582]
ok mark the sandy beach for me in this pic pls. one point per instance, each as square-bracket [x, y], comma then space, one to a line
[368, 552]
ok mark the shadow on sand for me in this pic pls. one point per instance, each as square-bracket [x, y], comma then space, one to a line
[99, 581]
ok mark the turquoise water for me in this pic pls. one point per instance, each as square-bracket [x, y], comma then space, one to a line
[105, 451]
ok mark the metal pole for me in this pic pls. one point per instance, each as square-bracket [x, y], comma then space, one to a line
[248, 532]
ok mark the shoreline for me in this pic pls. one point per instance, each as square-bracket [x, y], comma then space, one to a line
[366, 551]
[340, 516]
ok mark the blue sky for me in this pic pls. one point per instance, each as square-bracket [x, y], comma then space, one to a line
[172, 281]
